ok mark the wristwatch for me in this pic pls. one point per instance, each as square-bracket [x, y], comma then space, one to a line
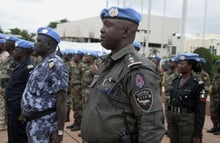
[60, 132]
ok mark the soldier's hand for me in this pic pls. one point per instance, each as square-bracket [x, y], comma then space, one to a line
[196, 140]
[22, 118]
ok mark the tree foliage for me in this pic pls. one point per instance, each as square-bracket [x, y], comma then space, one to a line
[204, 53]
[23, 33]
[53, 24]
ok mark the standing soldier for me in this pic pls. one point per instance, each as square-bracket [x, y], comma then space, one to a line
[67, 57]
[124, 102]
[88, 73]
[214, 99]
[186, 109]
[3, 55]
[170, 75]
[7, 66]
[75, 84]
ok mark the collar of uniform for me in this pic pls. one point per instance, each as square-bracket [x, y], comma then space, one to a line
[124, 51]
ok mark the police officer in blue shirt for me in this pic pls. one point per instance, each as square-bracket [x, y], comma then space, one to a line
[14, 90]
[44, 98]
[186, 109]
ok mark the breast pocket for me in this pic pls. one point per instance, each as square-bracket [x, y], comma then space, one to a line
[107, 85]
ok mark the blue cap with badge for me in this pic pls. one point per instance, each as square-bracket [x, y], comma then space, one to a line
[121, 13]
[49, 32]
[217, 62]
[2, 41]
[24, 44]
[91, 53]
[188, 56]
[3, 36]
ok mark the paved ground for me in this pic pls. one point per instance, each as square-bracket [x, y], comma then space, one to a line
[72, 137]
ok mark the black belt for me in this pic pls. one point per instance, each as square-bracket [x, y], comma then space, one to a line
[180, 110]
[37, 115]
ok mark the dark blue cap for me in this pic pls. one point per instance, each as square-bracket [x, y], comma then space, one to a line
[2, 41]
[188, 56]
[49, 32]
[121, 13]
[217, 62]
[137, 44]
[24, 44]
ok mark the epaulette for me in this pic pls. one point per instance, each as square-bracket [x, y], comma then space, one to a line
[30, 66]
[132, 61]
[51, 63]
[199, 81]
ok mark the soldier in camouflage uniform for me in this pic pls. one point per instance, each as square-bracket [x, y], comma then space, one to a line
[214, 99]
[7, 67]
[203, 75]
[75, 84]
[3, 55]
[87, 74]
[67, 57]
[170, 75]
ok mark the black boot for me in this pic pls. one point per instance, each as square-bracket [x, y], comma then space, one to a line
[212, 130]
[217, 132]
[76, 126]
[70, 126]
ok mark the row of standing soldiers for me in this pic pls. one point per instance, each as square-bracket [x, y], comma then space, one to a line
[82, 66]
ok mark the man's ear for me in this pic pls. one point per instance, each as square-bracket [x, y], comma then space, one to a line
[126, 32]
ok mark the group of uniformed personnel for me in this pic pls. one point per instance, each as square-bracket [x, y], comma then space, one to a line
[117, 100]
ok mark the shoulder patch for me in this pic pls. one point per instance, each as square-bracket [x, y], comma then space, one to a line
[51, 63]
[30, 66]
[144, 99]
[139, 80]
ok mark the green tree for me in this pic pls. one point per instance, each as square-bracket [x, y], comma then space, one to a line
[153, 52]
[1, 31]
[23, 33]
[204, 53]
[53, 24]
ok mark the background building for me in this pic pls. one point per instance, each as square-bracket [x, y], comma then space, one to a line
[88, 30]
[210, 41]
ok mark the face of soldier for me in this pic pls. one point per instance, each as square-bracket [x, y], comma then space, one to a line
[184, 67]
[18, 53]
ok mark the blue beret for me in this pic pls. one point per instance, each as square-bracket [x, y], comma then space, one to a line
[49, 32]
[121, 13]
[174, 59]
[188, 56]
[156, 57]
[202, 60]
[2, 41]
[91, 53]
[3, 36]
[217, 62]
[137, 44]
[24, 44]
[12, 38]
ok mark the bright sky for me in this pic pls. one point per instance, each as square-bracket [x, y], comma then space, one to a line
[31, 14]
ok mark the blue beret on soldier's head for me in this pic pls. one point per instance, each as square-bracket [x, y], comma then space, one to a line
[91, 53]
[12, 38]
[50, 32]
[2, 41]
[217, 62]
[3, 36]
[24, 44]
[156, 57]
[121, 13]
[137, 44]
[188, 56]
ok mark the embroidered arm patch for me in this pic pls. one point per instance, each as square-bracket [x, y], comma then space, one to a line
[144, 99]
